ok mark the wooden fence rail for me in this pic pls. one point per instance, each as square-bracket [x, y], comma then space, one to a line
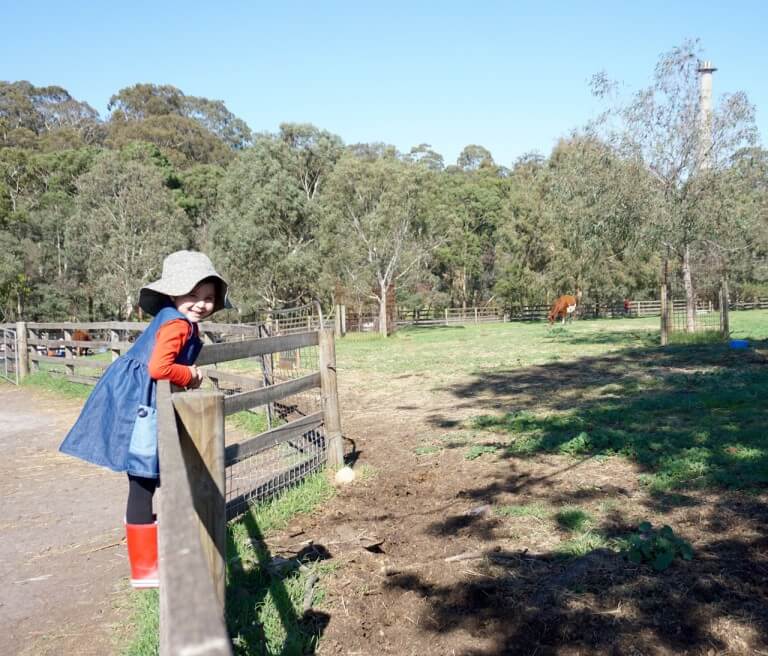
[193, 508]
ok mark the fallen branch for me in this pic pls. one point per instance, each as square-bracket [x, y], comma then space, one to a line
[309, 589]
[471, 555]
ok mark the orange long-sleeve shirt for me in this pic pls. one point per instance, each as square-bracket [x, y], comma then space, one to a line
[169, 341]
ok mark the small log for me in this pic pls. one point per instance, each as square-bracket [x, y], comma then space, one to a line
[309, 590]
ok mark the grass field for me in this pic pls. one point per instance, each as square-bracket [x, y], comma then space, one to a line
[697, 423]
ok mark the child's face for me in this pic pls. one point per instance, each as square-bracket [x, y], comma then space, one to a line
[198, 304]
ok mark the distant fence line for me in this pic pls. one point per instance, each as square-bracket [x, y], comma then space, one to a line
[368, 321]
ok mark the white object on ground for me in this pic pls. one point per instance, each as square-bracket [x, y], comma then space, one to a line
[345, 475]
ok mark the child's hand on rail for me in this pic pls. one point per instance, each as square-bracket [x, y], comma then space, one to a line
[197, 377]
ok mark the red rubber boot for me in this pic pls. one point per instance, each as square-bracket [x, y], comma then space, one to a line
[142, 553]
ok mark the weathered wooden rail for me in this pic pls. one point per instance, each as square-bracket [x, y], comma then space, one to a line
[193, 508]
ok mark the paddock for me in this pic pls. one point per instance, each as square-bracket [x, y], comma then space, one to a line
[500, 463]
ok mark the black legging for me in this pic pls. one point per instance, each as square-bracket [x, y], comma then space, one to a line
[140, 493]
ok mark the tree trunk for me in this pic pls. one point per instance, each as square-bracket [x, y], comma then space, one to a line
[690, 300]
[383, 310]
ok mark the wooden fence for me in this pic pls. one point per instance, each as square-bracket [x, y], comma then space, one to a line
[193, 508]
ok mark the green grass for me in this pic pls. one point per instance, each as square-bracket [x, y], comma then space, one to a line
[691, 339]
[537, 510]
[572, 518]
[49, 383]
[463, 349]
[253, 422]
[584, 543]
[264, 605]
[478, 450]
[144, 639]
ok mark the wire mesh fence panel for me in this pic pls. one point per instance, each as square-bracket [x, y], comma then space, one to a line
[275, 445]
[299, 319]
[9, 370]
[695, 298]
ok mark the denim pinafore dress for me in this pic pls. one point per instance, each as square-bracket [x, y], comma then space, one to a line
[102, 433]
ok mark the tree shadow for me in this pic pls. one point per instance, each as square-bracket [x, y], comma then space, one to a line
[690, 419]
[688, 416]
[249, 587]
[600, 603]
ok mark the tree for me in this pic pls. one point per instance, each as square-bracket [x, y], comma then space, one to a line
[661, 127]
[313, 154]
[373, 226]
[125, 223]
[474, 157]
[27, 111]
[143, 102]
[466, 210]
[266, 225]
[424, 155]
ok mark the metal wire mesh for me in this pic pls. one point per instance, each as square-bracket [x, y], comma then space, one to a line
[288, 321]
[705, 314]
[9, 366]
[259, 476]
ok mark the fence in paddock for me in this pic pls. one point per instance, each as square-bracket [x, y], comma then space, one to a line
[367, 322]
[9, 356]
[274, 386]
[211, 474]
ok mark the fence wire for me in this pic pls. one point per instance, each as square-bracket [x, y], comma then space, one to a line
[706, 313]
[259, 476]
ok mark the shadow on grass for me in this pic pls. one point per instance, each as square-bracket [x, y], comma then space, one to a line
[690, 418]
[284, 631]
[642, 338]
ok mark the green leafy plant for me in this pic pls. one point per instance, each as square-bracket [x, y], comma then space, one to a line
[659, 547]
[480, 449]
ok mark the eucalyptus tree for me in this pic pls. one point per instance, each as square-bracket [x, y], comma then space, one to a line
[374, 230]
[27, 111]
[143, 101]
[125, 222]
[526, 239]
[592, 195]
[661, 126]
[266, 225]
[473, 157]
[425, 156]
[189, 129]
[466, 210]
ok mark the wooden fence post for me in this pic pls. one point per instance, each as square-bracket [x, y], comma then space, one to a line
[114, 338]
[330, 398]
[33, 365]
[337, 320]
[201, 433]
[69, 353]
[22, 350]
[725, 323]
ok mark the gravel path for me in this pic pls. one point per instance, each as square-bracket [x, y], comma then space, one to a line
[63, 564]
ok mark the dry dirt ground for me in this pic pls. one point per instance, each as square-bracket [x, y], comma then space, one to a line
[410, 594]
[63, 565]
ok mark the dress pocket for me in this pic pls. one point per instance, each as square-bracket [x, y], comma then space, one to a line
[144, 436]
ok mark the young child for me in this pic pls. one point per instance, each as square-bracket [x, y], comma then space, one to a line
[117, 426]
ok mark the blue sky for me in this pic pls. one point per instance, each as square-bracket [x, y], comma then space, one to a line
[511, 76]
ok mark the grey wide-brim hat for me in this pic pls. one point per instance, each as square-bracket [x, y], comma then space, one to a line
[182, 271]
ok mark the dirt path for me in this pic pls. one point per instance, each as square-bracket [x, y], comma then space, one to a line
[63, 565]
